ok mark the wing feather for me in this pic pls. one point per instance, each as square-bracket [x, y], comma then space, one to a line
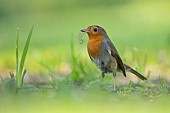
[115, 54]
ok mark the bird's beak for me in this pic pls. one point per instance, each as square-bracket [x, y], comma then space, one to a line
[85, 30]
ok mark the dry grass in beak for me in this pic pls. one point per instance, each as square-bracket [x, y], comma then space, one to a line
[79, 37]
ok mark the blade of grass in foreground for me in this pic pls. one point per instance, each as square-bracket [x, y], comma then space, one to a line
[24, 54]
[17, 51]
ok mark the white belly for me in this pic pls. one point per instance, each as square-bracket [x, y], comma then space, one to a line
[101, 62]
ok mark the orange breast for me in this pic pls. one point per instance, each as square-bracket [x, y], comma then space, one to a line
[94, 47]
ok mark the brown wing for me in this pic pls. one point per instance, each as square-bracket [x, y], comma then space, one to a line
[115, 54]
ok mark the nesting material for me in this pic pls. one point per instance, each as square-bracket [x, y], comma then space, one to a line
[79, 37]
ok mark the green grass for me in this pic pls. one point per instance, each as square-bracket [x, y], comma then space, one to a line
[20, 73]
[66, 96]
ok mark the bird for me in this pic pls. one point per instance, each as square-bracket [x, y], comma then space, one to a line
[104, 55]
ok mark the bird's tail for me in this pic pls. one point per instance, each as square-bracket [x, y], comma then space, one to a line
[128, 68]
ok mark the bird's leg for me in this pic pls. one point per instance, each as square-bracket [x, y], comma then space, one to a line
[114, 76]
[103, 75]
[113, 67]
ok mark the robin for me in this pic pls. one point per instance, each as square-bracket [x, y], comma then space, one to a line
[103, 53]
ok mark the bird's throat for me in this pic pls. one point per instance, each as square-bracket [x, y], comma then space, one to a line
[94, 46]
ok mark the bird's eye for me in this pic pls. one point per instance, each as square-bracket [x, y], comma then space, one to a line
[95, 29]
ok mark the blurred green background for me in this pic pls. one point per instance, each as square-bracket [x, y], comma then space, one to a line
[141, 26]
[140, 29]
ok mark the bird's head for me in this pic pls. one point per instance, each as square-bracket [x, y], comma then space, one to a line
[94, 31]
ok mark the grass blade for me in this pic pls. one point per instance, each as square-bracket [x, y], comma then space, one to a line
[24, 54]
[164, 85]
[17, 51]
[73, 52]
